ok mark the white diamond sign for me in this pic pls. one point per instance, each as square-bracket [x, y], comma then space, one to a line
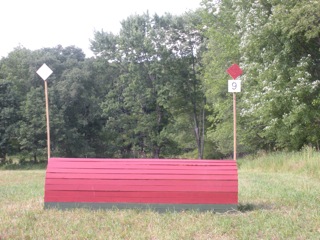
[44, 72]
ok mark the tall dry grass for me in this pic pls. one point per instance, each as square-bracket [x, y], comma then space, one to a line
[305, 162]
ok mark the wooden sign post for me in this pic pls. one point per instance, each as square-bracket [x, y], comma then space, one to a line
[234, 86]
[44, 72]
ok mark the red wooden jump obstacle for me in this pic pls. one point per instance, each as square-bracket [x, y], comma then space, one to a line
[158, 184]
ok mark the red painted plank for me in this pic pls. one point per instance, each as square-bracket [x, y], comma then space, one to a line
[136, 165]
[140, 176]
[147, 161]
[138, 182]
[221, 200]
[144, 188]
[101, 165]
[142, 160]
[144, 171]
[141, 197]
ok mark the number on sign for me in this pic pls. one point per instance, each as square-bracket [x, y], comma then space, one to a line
[234, 86]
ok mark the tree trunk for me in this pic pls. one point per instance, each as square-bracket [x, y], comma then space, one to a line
[203, 131]
[156, 152]
[197, 134]
[34, 157]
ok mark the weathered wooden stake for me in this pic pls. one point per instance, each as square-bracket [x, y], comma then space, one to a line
[47, 116]
[44, 72]
[234, 128]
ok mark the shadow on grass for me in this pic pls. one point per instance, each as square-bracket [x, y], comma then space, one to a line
[249, 207]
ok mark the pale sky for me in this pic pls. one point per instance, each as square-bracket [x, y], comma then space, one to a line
[35, 24]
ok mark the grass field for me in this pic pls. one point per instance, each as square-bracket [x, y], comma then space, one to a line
[279, 198]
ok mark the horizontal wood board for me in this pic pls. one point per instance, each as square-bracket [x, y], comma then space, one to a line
[113, 182]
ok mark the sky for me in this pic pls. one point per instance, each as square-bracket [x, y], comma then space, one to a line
[36, 24]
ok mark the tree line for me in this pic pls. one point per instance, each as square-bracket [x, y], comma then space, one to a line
[158, 88]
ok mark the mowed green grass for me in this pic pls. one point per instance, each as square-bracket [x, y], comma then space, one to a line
[273, 205]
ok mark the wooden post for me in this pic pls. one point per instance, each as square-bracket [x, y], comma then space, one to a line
[234, 128]
[44, 72]
[47, 116]
[234, 86]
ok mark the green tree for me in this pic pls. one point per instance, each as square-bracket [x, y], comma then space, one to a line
[74, 97]
[223, 41]
[132, 103]
[280, 43]
[74, 101]
[14, 85]
[276, 43]
[186, 46]
[32, 130]
[8, 118]
[158, 78]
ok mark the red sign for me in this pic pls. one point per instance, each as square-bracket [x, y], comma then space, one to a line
[234, 71]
